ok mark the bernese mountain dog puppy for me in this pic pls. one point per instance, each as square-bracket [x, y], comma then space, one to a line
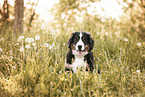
[79, 55]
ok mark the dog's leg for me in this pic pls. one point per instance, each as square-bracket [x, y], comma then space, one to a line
[68, 60]
[90, 61]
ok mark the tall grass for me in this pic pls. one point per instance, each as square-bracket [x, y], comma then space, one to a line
[35, 67]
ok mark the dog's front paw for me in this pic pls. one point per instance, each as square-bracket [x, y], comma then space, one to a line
[67, 67]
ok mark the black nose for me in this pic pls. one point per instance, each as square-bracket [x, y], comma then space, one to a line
[79, 47]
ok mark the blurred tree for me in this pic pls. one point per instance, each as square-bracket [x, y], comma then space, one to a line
[135, 14]
[19, 13]
[30, 14]
[67, 11]
[71, 7]
[5, 12]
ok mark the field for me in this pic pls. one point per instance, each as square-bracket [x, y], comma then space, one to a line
[32, 65]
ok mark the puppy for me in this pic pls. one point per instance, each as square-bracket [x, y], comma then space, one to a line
[79, 55]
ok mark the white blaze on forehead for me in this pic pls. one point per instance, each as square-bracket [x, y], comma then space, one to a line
[81, 35]
[80, 42]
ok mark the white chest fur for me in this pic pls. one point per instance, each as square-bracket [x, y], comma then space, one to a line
[78, 63]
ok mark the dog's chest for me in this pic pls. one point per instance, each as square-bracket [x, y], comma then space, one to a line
[78, 63]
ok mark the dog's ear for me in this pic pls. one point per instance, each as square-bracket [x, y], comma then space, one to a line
[91, 41]
[70, 41]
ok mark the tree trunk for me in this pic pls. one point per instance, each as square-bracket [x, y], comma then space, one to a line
[5, 10]
[19, 14]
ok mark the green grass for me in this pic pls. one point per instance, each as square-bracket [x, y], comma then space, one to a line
[39, 70]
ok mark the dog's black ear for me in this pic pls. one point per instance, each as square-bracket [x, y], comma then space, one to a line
[91, 41]
[70, 41]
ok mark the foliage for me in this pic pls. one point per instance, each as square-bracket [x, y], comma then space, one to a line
[34, 64]
[135, 15]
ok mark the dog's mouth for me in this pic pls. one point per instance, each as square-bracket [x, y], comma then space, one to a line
[80, 52]
[83, 52]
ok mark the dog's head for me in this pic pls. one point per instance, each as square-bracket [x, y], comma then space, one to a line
[80, 43]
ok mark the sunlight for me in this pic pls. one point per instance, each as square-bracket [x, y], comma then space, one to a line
[104, 8]
[111, 8]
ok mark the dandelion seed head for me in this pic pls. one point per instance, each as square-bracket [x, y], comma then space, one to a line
[43, 27]
[64, 44]
[50, 47]
[31, 39]
[126, 39]
[37, 37]
[1, 39]
[21, 49]
[27, 46]
[138, 71]
[1, 49]
[20, 38]
[34, 44]
[138, 44]
[46, 44]
[28, 40]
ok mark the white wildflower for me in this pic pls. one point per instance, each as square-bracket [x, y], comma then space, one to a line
[31, 39]
[52, 34]
[75, 10]
[64, 43]
[50, 47]
[138, 71]
[138, 44]
[34, 44]
[21, 49]
[28, 40]
[37, 37]
[1, 49]
[117, 33]
[20, 38]
[125, 39]
[27, 46]
[69, 12]
[43, 27]
[1, 39]
[35, 48]
[46, 44]
[106, 33]
[143, 55]
[17, 43]
[53, 44]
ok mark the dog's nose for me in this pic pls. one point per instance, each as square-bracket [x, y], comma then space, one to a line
[80, 47]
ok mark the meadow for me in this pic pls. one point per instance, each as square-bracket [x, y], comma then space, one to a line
[32, 65]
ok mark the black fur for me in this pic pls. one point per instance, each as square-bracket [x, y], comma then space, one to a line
[89, 57]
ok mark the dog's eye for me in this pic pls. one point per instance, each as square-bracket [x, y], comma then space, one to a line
[83, 38]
